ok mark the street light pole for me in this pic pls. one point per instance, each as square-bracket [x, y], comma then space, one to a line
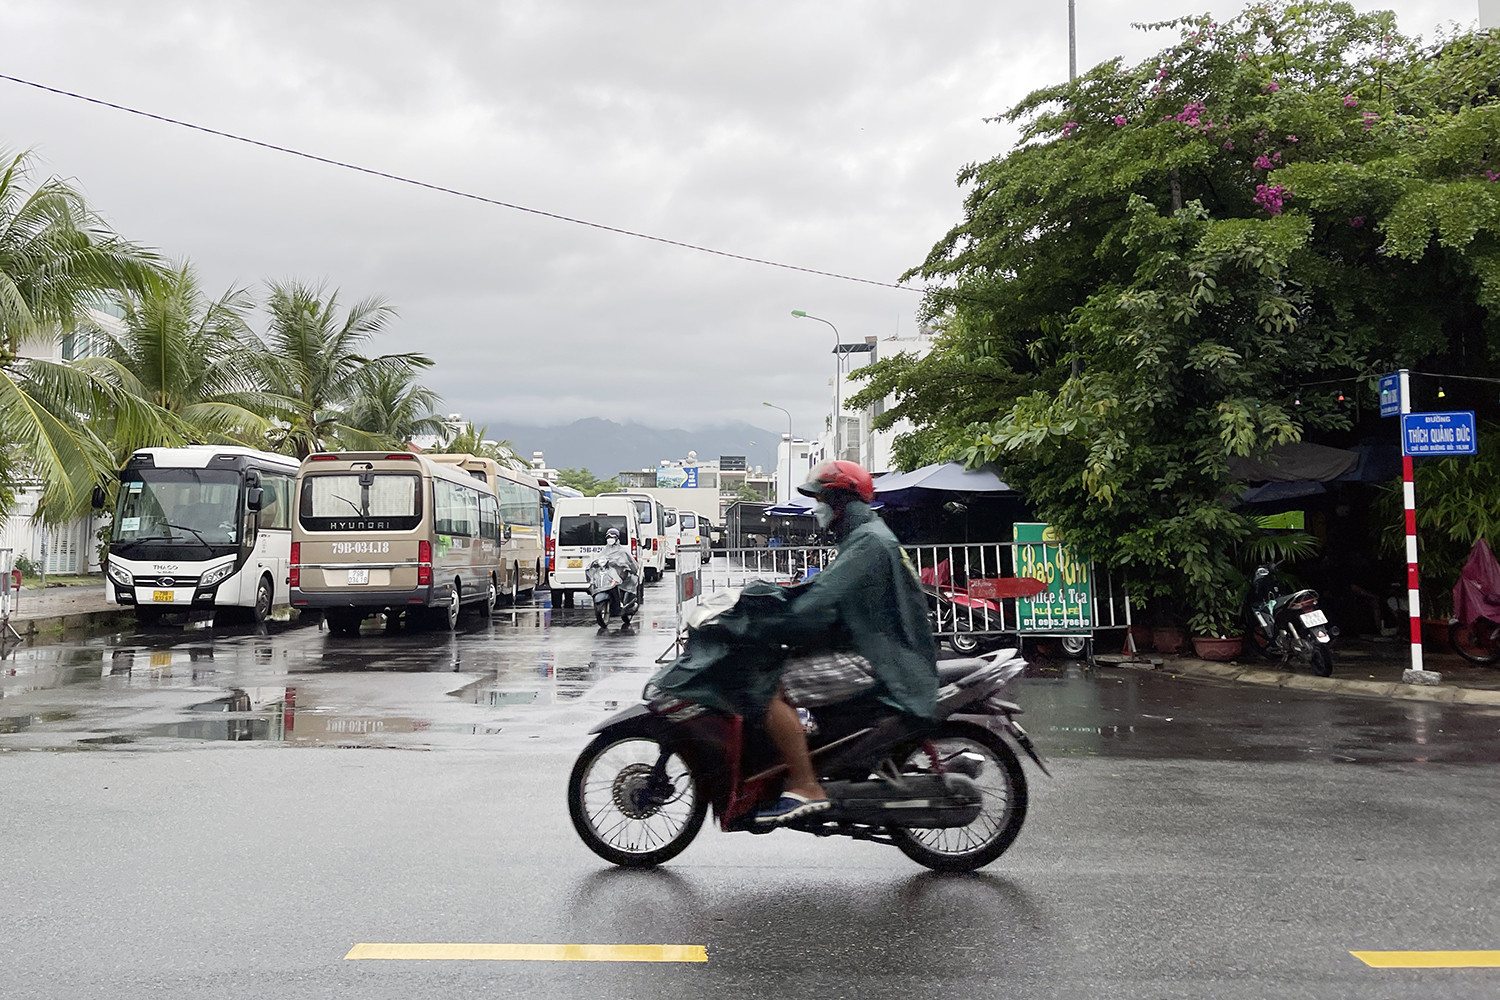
[789, 486]
[838, 372]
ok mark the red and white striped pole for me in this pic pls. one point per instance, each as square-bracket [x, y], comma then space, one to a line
[1409, 495]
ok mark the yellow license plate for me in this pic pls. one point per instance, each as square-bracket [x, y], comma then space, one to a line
[575, 564]
[163, 596]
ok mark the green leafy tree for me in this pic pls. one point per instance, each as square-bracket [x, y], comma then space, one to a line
[56, 259]
[586, 482]
[189, 356]
[313, 364]
[1190, 260]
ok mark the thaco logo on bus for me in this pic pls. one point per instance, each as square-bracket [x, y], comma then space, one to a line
[360, 548]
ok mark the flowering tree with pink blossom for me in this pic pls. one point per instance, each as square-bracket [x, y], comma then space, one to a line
[1149, 284]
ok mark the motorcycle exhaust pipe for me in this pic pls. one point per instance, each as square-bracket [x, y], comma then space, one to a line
[918, 801]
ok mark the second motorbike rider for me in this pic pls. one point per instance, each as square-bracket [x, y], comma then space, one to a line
[858, 627]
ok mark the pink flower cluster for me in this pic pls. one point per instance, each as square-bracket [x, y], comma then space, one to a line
[1269, 196]
[1370, 118]
[1120, 121]
[1491, 176]
[1264, 162]
[1068, 128]
[1271, 87]
[1190, 112]
[1357, 222]
[1350, 101]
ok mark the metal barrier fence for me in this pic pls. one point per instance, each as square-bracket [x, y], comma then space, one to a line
[9, 591]
[973, 590]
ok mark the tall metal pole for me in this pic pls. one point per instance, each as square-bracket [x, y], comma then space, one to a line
[789, 486]
[1077, 366]
[1072, 45]
[838, 372]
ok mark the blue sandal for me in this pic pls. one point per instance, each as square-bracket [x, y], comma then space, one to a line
[789, 807]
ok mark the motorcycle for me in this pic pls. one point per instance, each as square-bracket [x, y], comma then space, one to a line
[950, 795]
[1289, 625]
[611, 597]
[969, 624]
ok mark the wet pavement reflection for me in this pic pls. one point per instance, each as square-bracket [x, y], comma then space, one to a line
[534, 673]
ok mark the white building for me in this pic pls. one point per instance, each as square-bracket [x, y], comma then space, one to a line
[858, 439]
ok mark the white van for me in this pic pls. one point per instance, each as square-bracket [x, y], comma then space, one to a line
[579, 526]
[674, 536]
[653, 515]
[693, 533]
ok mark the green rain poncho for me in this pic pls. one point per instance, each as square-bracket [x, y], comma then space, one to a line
[867, 601]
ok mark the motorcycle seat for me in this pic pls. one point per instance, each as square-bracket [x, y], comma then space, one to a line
[950, 671]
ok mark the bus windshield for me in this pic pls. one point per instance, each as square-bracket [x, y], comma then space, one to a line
[193, 506]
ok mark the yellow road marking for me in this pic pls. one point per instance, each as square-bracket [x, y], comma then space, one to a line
[1429, 959]
[533, 952]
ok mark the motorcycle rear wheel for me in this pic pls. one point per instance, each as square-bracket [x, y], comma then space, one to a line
[1477, 642]
[1321, 660]
[1003, 784]
[618, 813]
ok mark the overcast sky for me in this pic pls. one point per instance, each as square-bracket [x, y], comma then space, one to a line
[825, 135]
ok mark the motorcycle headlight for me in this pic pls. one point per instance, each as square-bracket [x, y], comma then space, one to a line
[216, 574]
[120, 575]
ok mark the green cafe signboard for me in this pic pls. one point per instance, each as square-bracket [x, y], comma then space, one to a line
[1067, 603]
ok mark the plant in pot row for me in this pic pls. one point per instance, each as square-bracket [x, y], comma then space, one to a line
[1217, 628]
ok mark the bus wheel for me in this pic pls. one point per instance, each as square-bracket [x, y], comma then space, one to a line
[448, 616]
[264, 597]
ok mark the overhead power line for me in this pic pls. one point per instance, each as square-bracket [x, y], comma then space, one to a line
[454, 191]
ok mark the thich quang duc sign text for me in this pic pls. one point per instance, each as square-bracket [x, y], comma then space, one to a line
[1438, 434]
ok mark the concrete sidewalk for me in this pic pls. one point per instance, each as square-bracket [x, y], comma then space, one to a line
[55, 609]
[1361, 666]
[1366, 667]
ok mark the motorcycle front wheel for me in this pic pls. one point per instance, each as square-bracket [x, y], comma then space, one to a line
[632, 802]
[993, 766]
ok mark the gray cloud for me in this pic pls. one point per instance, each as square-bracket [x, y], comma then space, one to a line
[821, 134]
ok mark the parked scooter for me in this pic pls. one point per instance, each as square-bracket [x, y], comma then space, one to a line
[949, 795]
[1289, 625]
[613, 595]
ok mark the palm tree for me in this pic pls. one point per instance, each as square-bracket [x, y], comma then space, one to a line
[394, 406]
[314, 364]
[190, 357]
[57, 258]
[471, 441]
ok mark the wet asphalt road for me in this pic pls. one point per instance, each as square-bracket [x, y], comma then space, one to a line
[166, 838]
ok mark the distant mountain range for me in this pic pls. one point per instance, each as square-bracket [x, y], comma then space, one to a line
[606, 448]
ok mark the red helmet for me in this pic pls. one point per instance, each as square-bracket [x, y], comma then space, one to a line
[848, 476]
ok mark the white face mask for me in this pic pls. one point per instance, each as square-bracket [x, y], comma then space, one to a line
[823, 513]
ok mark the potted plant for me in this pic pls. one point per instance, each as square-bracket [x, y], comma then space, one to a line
[1218, 633]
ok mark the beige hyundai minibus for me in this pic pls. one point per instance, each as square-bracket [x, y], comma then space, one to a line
[522, 542]
[394, 533]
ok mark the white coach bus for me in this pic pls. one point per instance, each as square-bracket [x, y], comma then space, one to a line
[201, 528]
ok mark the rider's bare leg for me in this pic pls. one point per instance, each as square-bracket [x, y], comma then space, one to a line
[786, 732]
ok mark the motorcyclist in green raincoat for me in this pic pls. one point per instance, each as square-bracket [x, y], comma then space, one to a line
[868, 603]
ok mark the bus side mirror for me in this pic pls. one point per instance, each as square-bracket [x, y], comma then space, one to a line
[97, 500]
[505, 533]
[255, 498]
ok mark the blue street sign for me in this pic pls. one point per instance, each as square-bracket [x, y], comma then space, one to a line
[1438, 434]
[1390, 395]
